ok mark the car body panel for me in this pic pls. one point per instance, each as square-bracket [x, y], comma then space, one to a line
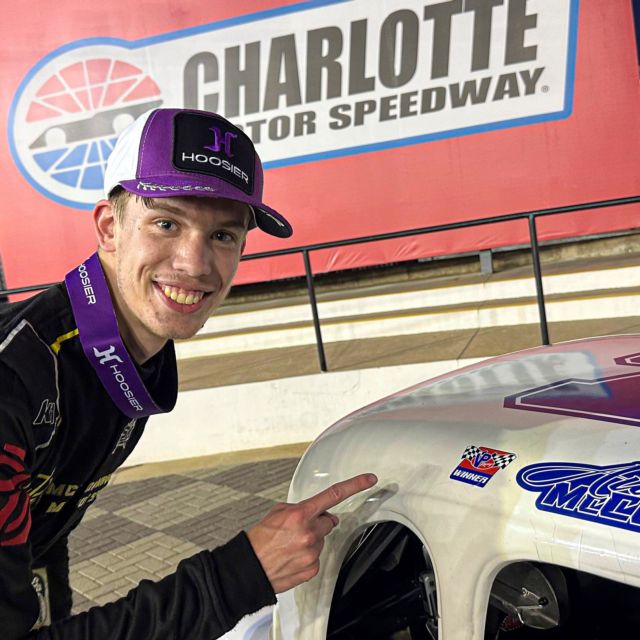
[569, 404]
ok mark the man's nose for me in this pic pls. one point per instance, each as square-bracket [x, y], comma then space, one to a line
[194, 256]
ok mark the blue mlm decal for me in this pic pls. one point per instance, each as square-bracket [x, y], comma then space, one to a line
[609, 495]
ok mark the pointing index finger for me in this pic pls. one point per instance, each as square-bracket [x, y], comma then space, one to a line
[337, 493]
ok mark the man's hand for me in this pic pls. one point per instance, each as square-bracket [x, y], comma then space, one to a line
[289, 539]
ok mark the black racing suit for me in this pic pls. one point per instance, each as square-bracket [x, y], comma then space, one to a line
[61, 438]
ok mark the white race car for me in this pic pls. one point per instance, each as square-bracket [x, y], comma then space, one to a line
[508, 505]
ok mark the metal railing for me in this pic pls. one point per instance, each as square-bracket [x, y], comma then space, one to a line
[306, 250]
[531, 216]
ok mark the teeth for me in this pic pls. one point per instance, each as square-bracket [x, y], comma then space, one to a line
[180, 296]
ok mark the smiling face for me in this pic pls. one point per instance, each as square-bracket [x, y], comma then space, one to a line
[169, 266]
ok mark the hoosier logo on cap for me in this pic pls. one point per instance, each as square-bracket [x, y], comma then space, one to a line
[212, 146]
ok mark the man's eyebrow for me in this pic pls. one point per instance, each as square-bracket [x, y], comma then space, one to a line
[165, 206]
[228, 221]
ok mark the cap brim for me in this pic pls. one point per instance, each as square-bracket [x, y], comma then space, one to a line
[271, 222]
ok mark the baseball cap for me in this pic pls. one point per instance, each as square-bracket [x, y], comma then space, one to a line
[185, 152]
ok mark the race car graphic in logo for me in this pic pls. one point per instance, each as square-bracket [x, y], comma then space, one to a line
[479, 464]
[73, 119]
[608, 495]
[610, 398]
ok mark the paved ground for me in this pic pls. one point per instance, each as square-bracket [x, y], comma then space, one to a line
[143, 528]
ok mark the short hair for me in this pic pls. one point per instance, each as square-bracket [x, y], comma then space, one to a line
[119, 197]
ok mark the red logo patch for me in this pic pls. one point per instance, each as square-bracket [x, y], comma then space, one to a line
[15, 515]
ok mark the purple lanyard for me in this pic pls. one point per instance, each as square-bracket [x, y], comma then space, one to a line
[101, 341]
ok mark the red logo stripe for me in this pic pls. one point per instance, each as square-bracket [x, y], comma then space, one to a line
[11, 484]
[11, 462]
[17, 451]
[20, 519]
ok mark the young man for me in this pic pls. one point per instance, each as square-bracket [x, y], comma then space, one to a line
[83, 364]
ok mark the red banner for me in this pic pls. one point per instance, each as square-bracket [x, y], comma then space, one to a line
[370, 117]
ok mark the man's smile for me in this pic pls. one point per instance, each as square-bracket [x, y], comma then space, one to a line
[182, 296]
[181, 299]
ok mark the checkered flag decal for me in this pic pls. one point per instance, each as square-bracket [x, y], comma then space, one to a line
[470, 452]
[501, 460]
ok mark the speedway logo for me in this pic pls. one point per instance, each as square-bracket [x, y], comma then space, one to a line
[479, 464]
[67, 118]
[307, 81]
[608, 495]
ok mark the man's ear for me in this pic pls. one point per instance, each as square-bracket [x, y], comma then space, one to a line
[104, 222]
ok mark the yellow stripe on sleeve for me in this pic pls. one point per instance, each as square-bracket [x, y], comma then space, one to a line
[55, 347]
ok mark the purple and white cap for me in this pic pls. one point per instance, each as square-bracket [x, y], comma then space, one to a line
[184, 152]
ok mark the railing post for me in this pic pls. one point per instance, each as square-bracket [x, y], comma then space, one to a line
[314, 310]
[537, 272]
[3, 284]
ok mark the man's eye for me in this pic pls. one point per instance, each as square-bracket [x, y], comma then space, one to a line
[166, 225]
[223, 236]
